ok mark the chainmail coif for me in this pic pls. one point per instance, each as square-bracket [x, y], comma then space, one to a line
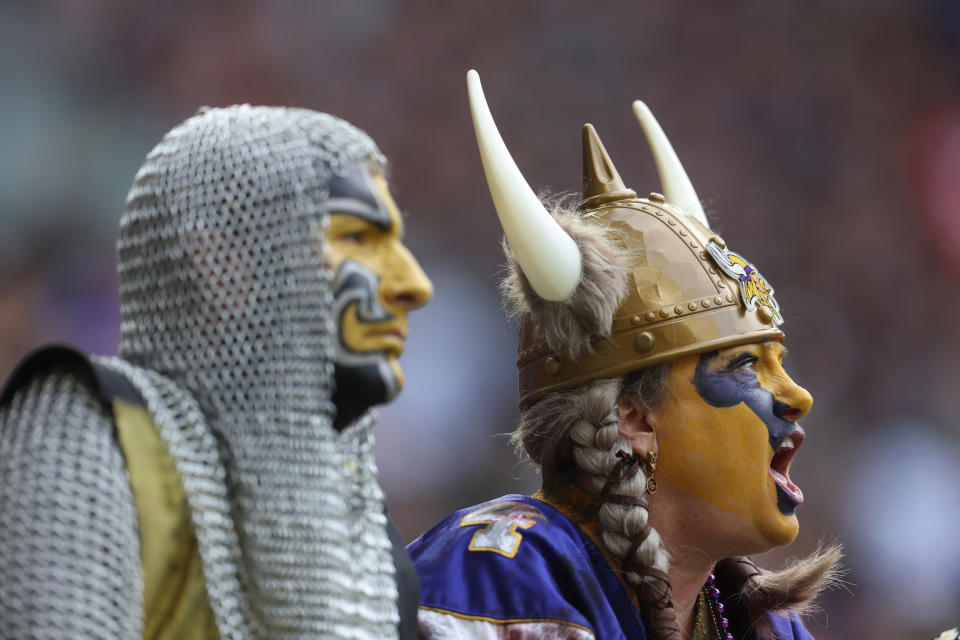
[227, 334]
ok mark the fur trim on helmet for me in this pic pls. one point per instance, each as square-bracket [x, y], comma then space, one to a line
[568, 327]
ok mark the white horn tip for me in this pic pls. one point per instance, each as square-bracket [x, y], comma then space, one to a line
[642, 111]
[473, 83]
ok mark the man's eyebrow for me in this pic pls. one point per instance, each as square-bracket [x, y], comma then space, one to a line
[352, 206]
[359, 208]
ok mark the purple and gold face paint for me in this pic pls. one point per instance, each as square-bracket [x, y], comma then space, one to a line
[729, 433]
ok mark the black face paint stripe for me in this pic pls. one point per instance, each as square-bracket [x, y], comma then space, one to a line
[356, 195]
[356, 282]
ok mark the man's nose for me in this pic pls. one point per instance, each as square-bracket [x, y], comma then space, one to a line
[407, 285]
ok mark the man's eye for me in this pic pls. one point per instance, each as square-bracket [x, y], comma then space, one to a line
[353, 238]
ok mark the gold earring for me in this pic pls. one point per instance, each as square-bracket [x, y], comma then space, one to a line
[651, 466]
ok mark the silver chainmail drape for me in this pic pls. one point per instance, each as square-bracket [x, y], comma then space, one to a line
[226, 301]
[69, 552]
[227, 335]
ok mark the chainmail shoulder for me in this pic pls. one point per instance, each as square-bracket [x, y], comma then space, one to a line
[69, 546]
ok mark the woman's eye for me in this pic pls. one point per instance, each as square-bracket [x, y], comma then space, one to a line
[743, 361]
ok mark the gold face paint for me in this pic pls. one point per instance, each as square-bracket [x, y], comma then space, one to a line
[389, 280]
[720, 427]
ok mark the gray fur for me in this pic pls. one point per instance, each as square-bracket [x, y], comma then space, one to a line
[793, 589]
[569, 327]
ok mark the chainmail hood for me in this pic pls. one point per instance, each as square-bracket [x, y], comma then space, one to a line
[227, 332]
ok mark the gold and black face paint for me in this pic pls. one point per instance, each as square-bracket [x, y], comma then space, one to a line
[376, 282]
[362, 377]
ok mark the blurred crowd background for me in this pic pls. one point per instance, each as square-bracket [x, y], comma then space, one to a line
[823, 136]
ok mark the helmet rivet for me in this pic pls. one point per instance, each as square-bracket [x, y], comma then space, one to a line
[717, 240]
[712, 271]
[650, 316]
[720, 284]
[672, 222]
[765, 313]
[729, 298]
[678, 309]
[718, 300]
[644, 341]
[552, 365]
[683, 233]
[692, 306]
[664, 313]
[635, 320]
[656, 197]
[693, 244]
[705, 303]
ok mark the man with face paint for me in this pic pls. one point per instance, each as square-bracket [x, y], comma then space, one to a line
[654, 400]
[217, 479]
[376, 283]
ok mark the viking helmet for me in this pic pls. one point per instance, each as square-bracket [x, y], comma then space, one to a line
[685, 292]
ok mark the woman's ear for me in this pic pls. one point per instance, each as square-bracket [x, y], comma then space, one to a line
[637, 424]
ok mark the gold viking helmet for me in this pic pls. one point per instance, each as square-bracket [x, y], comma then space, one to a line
[686, 293]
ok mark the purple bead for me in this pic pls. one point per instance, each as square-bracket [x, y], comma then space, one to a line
[714, 593]
[728, 637]
[711, 579]
[724, 623]
[718, 608]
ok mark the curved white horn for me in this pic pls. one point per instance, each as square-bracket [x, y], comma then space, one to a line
[550, 259]
[677, 188]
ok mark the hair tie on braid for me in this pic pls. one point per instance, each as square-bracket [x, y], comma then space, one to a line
[628, 464]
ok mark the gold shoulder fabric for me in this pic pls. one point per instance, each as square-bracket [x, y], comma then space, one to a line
[174, 591]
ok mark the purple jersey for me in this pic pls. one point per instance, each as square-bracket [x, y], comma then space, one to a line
[515, 567]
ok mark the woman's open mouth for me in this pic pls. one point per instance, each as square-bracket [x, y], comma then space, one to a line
[789, 495]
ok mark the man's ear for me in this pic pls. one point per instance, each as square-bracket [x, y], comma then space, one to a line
[637, 424]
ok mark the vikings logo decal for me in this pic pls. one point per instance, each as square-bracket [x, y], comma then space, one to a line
[753, 286]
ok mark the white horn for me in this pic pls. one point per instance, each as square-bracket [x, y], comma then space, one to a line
[677, 188]
[549, 257]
